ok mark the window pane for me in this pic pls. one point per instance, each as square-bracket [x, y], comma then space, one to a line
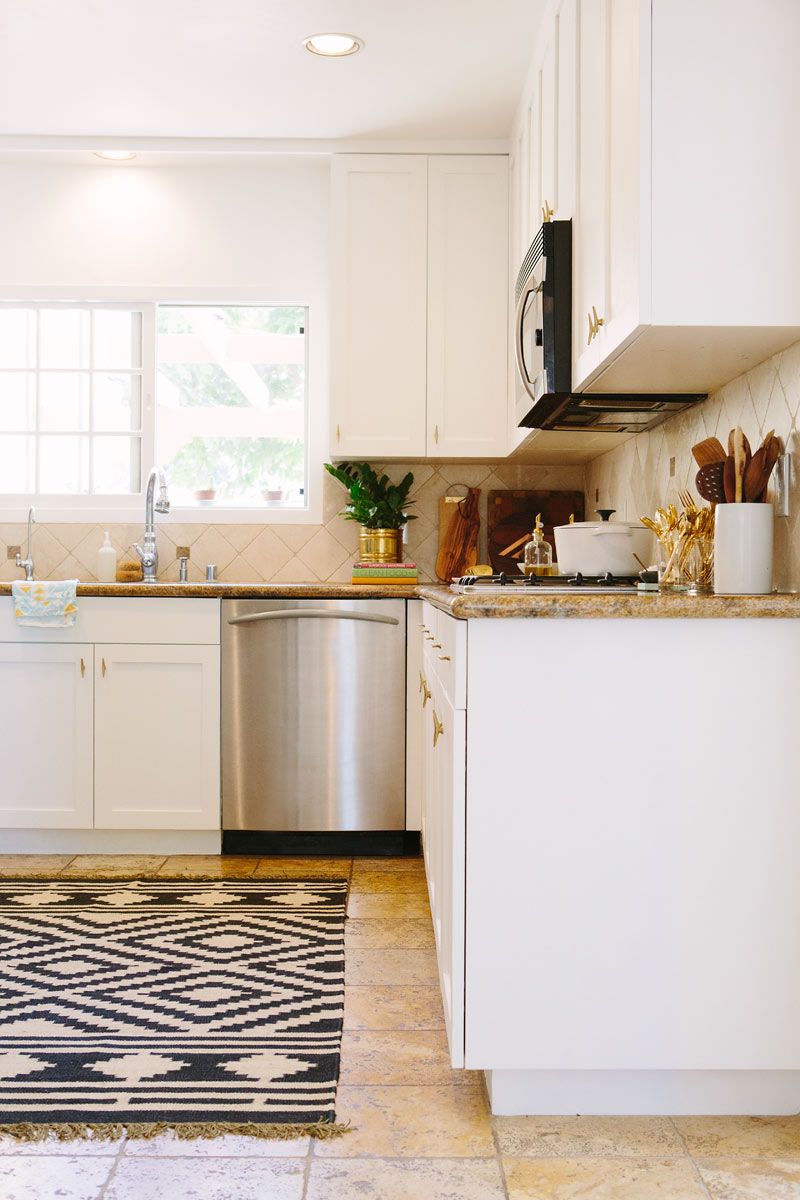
[117, 339]
[231, 403]
[63, 401]
[16, 463]
[17, 337]
[63, 465]
[17, 400]
[117, 402]
[64, 337]
[117, 465]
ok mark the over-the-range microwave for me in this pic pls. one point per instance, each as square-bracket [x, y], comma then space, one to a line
[543, 349]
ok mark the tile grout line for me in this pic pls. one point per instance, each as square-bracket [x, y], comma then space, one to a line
[695, 1168]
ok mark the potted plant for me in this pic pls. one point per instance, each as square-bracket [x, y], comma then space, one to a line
[379, 506]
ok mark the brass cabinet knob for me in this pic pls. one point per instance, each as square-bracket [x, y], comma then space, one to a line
[438, 728]
[103, 666]
[598, 321]
[595, 322]
[444, 657]
[591, 330]
[83, 668]
[547, 213]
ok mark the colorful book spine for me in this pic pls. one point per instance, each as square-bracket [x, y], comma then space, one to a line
[389, 573]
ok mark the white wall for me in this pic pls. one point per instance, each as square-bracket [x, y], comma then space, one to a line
[241, 231]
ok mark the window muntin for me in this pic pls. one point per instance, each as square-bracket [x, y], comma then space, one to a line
[70, 400]
[231, 407]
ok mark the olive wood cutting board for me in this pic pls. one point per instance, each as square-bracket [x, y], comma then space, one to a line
[512, 513]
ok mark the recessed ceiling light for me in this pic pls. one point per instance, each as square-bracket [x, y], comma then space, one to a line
[115, 155]
[333, 45]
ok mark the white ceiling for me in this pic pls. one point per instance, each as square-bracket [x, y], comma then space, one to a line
[430, 69]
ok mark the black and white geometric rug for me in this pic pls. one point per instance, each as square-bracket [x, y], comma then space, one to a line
[206, 1007]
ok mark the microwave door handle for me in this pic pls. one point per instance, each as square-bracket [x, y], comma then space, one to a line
[519, 350]
[331, 614]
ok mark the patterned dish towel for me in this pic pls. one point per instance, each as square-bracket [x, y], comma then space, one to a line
[46, 604]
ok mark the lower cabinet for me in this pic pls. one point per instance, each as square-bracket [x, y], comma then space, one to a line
[443, 822]
[156, 723]
[46, 736]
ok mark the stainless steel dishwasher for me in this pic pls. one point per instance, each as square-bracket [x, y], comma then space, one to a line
[313, 726]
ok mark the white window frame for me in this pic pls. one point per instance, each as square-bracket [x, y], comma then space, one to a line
[101, 509]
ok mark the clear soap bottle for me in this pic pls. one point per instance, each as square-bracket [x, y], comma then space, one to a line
[538, 553]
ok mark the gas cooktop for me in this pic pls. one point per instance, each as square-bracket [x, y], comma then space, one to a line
[549, 583]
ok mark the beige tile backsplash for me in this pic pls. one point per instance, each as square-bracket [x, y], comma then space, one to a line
[281, 553]
[636, 478]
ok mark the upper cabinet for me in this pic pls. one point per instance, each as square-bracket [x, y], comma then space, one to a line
[656, 126]
[419, 306]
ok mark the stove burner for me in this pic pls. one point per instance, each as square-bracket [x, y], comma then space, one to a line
[544, 581]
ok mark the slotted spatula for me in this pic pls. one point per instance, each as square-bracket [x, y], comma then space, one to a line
[709, 482]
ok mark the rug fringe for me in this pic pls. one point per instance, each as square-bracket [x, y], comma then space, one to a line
[147, 877]
[62, 1132]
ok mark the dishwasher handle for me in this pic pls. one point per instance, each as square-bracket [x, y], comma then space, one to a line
[280, 614]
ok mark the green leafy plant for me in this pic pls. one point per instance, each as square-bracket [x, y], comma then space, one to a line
[375, 502]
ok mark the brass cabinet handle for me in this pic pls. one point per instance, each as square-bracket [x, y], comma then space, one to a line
[338, 435]
[547, 213]
[83, 668]
[437, 645]
[444, 657]
[594, 325]
[591, 330]
[103, 667]
[426, 695]
[422, 683]
[438, 728]
[424, 628]
[436, 434]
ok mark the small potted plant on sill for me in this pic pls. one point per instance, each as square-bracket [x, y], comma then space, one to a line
[379, 506]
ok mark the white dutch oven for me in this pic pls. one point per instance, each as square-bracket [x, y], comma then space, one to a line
[598, 547]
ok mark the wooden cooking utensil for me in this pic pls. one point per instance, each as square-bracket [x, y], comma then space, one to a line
[731, 441]
[729, 479]
[772, 452]
[710, 450]
[754, 477]
[740, 462]
[709, 482]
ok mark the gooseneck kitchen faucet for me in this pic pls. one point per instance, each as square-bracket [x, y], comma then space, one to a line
[27, 563]
[148, 553]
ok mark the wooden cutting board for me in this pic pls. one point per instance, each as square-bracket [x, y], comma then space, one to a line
[511, 515]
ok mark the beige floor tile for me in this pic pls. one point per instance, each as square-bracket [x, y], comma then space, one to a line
[389, 905]
[750, 1179]
[380, 1007]
[51, 1147]
[228, 1146]
[115, 864]
[576, 1137]
[303, 868]
[20, 864]
[409, 1056]
[741, 1137]
[44, 1178]
[388, 933]
[406, 1179]
[390, 967]
[390, 881]
[602, 1179]
[411, 1122]
[408, 863]
[207, 1179]
[233, 866]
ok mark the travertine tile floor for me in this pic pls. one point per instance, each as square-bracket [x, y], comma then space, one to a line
[421, 1130]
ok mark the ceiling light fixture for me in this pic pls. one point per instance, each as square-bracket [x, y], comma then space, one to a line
[333, 45]
[115, 155]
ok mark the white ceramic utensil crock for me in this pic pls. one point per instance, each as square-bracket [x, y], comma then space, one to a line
[597, 547]
[743, 536]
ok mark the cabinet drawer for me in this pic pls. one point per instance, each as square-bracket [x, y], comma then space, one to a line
[445, 642]
[149, 620]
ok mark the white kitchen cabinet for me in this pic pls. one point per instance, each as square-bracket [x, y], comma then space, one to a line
[157, 737]
[379, 220]
[419, 312]
[444, 819]
[467, 305]
[46, 736]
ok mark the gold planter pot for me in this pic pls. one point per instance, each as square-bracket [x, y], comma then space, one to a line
[380, 545]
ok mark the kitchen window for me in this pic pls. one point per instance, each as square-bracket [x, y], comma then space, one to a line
[92, 395]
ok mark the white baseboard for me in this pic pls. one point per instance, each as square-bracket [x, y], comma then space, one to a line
[643, 1093]
[110, 841]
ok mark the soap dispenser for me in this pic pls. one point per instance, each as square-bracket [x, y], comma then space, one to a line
[106, 561]
[538, 553]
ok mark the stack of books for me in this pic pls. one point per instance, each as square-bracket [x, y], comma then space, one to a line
[388, 573]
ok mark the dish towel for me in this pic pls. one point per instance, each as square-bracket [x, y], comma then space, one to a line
[45, 604]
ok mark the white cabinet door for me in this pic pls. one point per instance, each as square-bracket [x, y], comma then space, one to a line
[157, 742]
[448, 739]
[46, 736]
[467, 306]
[590, 227]
[545, 128]
[565, 34]
[415, 718]
[378, 312]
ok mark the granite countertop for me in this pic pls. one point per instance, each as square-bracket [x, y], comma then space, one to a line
[620, 604]
[476, 605]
